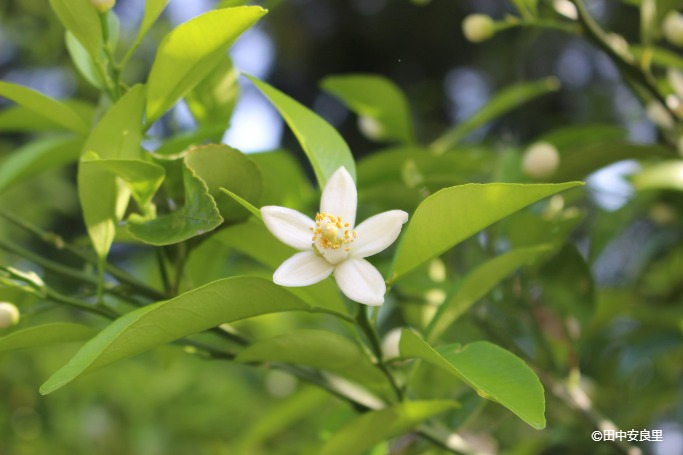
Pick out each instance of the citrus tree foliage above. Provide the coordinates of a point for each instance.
(483, 313)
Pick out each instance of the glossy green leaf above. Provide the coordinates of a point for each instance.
(223, 301)
(504, 101)
(496, 374)
(36, 157)
(243, 202)
(373, 427)
(323, 145)
(478, 283)
(220, 166)
(317, 349)
(46, 335)
(189, 53)
(44, 106)
(450, 216)
(82, 19)
(377, 98)
(213, 99)
(104, 198)
(667, 175)
(22, 119)
(198, 216)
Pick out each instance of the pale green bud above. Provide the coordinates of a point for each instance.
(540, 160)
(103, 5)
(478, 27)
(9, 315)
(673, 28)
(659, 115)
(370, 128)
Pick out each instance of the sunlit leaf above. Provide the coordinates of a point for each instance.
(450, 216)
(82, 19)
(44, 106)
(504, 101)
(493, 372)
(374, 427)
(478, 283)
(153, 9)
(317, 349)
(325, 148)
(103, 198)
(222, 301)
(189, 53)
(378, 98)
(36, 157)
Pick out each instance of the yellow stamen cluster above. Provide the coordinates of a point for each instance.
(332, 232)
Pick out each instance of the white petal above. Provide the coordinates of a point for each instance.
(378, 232)
(302, 269)
(339, 196)
(360, 281)
(289, 226)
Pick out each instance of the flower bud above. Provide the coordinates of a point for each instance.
(390, 343)
(540, 160)
(370, 128)
(659, 115)
(478, 28)
(9, 314)
(673, 28)
(103, 5)
(676, 80)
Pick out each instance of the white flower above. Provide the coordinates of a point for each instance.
(331, 243)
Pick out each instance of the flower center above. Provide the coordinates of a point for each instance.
(332, 233)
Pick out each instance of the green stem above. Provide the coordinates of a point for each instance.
(109, 53)
(58, 242)
(372, 336)
(595, 33)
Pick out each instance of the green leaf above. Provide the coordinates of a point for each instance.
(104, 198)
(45, 335)
(478, 283)
(284, 181)
(44, 106)
(245, 204)
(378, 98)
(82, 19)
(317, 349)
(36, 157)
(198, 216)
(83, 61)
(450, 216)
(142, 178)
(220, 166)
(153, 9)
(667, 175)
(374, 427)
(496, 374)
(189, 53)
(504, 101)
(213, 100)
(323, 145)
(223, 301)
